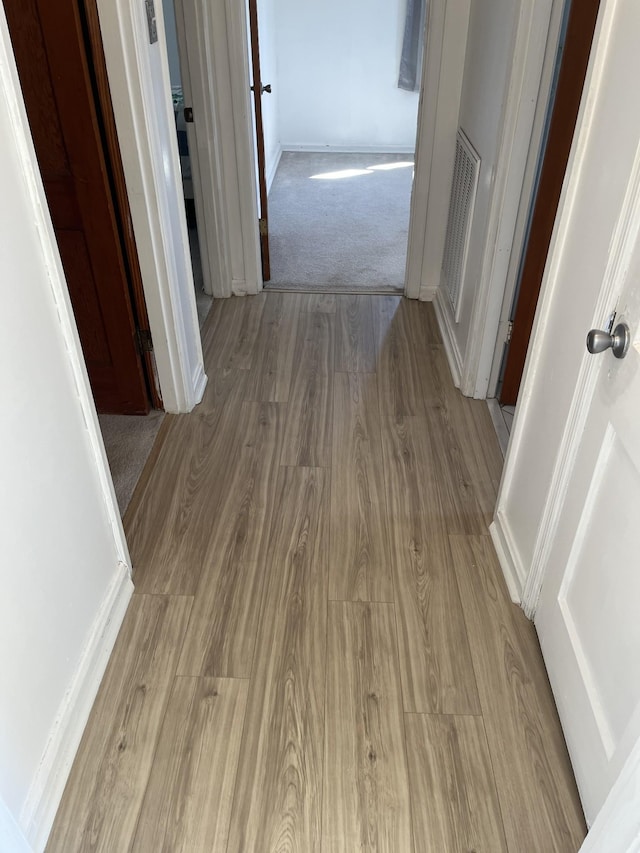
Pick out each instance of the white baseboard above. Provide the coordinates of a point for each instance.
(11, 837)
(428, 294)
(507, 557)
(199, 383)
(498, 424)
(273, 168)
(239, 287)
(350, 149)
(443, 316)
(45, 793)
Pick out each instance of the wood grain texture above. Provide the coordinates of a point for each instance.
(234, 514)
(230, 334)
(426, 323)
(325, 303)
(540, 806)
(398, 367)
(102, 799)
(469, 450)
(360, 556)
(435, 663)
(169, 534)
(278, 800)
(457, 487)
(366, 787)
(271, 378)
(454, 801)
(221, 634)
(187, 806)
(355, 346)
(307, 440)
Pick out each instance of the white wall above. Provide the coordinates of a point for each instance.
(486, 79)
(62, 543)
(337, 75)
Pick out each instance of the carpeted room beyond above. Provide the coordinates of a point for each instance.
(340, 222)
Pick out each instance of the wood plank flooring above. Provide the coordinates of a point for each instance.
(321, 654)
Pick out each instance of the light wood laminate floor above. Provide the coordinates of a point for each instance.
(321, 654)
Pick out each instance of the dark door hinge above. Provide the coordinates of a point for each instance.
(144, 342)
(188, 115)
(262, 225)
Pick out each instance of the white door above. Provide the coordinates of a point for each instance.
(588, 616)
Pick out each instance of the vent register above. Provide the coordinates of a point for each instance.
(463, 195)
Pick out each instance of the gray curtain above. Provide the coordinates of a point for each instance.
(412, 46)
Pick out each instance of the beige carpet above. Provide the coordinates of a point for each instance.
(128, 441)
(340, 222)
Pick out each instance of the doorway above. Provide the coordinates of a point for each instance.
(336, 94)
(63, 76)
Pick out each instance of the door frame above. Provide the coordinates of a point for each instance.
(141, 92)
(527, 88)
(217, 54)
(529, 187)
(525, 579)
(447, 24)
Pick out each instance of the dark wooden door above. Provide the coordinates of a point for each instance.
(579, 36)
(258, 91)
(51, 46)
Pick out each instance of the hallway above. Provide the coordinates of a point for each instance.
(321, 653)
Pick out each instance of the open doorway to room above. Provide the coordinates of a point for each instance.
(336, 91)
(62, 72)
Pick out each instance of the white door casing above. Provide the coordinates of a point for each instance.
(447, 22)
(140, 89)
(215, 35)
(587, 612)
(204, 148)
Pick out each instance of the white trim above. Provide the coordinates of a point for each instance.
(616, 829)
(273, 168)
(499, 424)
(45, 792)
(505, 546)
(204, 144)
(199, 383)
(140, 88)
(11, 838)
(244, 146)
(546, 306)
(444, 317)
(528, 188)
(516, 131)
(446, 41)
(350, 149)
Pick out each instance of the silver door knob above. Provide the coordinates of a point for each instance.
(599, 341)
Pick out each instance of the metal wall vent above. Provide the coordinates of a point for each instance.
(463, 197)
